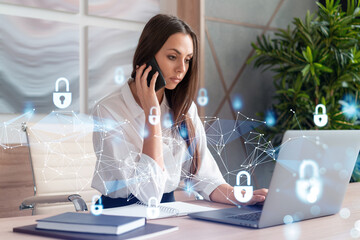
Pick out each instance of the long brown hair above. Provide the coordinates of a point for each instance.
(155, 33)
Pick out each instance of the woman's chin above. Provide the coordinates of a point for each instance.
(170, 86)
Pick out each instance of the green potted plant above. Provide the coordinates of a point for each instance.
(315, 61)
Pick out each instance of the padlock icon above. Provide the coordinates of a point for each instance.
(202, 98)
(320, 120)
(153, 209)
(96, 209)
(62, 99)
(119, 77)
(243, 193)
(309, 189)
(154, 118)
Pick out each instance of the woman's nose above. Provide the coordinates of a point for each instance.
(181, 67)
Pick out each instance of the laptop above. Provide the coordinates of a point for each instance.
(311, 174)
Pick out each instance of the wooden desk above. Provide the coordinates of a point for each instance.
(331, 227)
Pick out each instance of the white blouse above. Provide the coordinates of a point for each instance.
(122, 168)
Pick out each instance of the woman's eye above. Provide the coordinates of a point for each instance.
(171, 57)
(187, 60)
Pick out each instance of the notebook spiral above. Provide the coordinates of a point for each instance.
(168, 210)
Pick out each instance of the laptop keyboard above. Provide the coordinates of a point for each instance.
(250, 216)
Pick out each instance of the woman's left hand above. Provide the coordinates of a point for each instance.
(225, 194)
(258, 197)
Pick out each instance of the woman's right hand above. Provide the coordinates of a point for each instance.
(147, 95)
(152, 145)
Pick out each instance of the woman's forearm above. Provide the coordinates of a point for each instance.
(152, 145)
(223, 194)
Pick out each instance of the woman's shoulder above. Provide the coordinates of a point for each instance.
(116, 96)
(113, 100)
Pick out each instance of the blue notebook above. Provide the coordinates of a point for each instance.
(88, 223)
(149, 230)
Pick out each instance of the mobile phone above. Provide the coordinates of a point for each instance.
(160, 81)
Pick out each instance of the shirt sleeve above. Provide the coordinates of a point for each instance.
(209, 177)
(121, 167)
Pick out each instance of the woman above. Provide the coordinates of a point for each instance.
(138, 159)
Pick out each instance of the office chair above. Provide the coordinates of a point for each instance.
(63, 162)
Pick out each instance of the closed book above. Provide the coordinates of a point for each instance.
(88, 223)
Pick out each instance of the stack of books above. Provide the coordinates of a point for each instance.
(87, 226)
(127, 222)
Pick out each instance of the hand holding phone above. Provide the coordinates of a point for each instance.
(160, 81)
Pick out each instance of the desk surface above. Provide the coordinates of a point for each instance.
(330, 227)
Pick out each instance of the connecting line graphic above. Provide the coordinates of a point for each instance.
(61, 145)
(221, 133)
(297, 121)
(310, 138)
(121, 167)
(131, 164)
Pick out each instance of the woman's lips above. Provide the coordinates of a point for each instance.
(175, 80)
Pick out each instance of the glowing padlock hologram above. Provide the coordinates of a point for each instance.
(320, 120)
(96, 209)
(309, 190)
(243, 193)
(62, 99)
(202, 98)
(119, 76)
(154, 117)
(153, 209)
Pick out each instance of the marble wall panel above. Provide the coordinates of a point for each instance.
(133, 10)
(110, 60)
(63, 5)
(33, 55)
